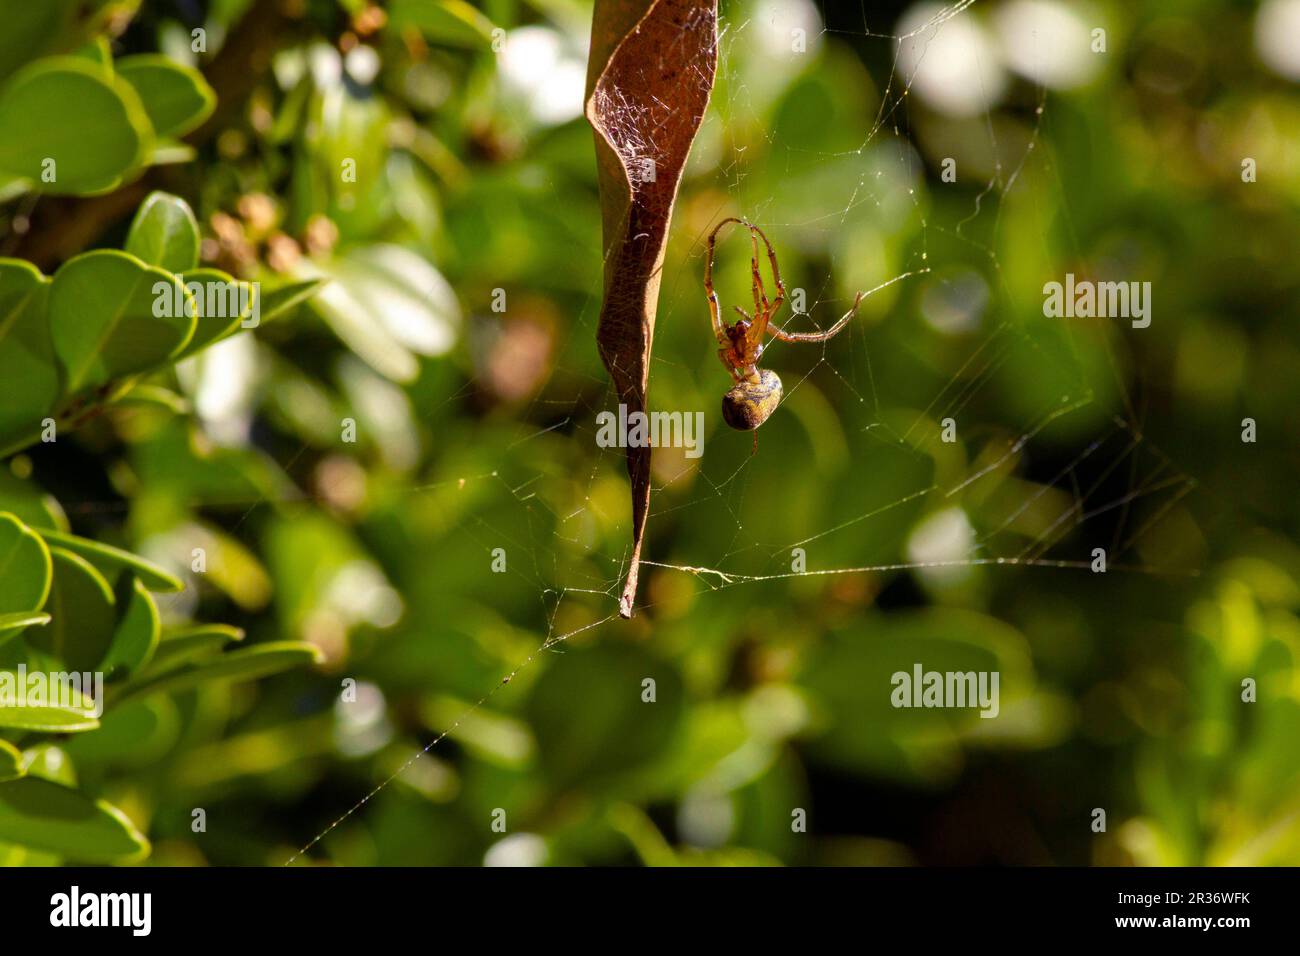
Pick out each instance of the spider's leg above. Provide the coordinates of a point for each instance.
(769, 308)
(776, 272)
(817, 336)
(715, 311)
(760, 294)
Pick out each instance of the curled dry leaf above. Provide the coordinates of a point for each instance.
(649, 78)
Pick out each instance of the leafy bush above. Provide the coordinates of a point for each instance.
(98, 334)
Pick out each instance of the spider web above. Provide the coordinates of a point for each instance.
(1032, 483)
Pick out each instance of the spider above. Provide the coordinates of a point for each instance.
(757, 392)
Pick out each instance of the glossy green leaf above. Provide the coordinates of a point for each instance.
(99, 52)
(28, 30)
(202, 642)
(33, 30)
(222, 303)
(154, 396)
(137, 633)
(11, 761)
(131, 735)
(165, 233)
(70, 128)
(47, 718)
(83, 612)
(50, 761)
(286, 297)
(262, 307)
(176, 97)
(247, 664)
(111, 315)
(27, 367)
(25, 572)
(168, 152)
(23, 619)
(112, 560)
(451, 22)
(42, 815)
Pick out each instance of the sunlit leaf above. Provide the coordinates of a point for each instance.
(42, 815)
(164, 233)
(25, 573)
(83, 613)
(11, 761)
(111, 315)
(111, 560)
(137, 632)
(176, 97)
(242, 665)
(27, 367)
(70, 127)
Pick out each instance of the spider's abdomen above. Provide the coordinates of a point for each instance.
(748, 404)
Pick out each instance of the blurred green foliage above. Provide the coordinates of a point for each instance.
(350, 469)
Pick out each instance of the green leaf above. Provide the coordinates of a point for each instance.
(23, 619)
(112, 560)
(452, 22)
(137, 633)
(11, 761)
(222, 303)
(261, 308)
(50, 762)
(28, 29)
(52, 26)
(71, 128)
(201, 642)
(165, 233)
(168, 152)
(176, 97)
(154, 396)
(42, 815)
(111, 315)
(25, 572)
(247, 664)
(287, 297)
(46, 718)
(99, 52)
(38, 701)
(83, 611)
(27, 367)
(132, 736)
